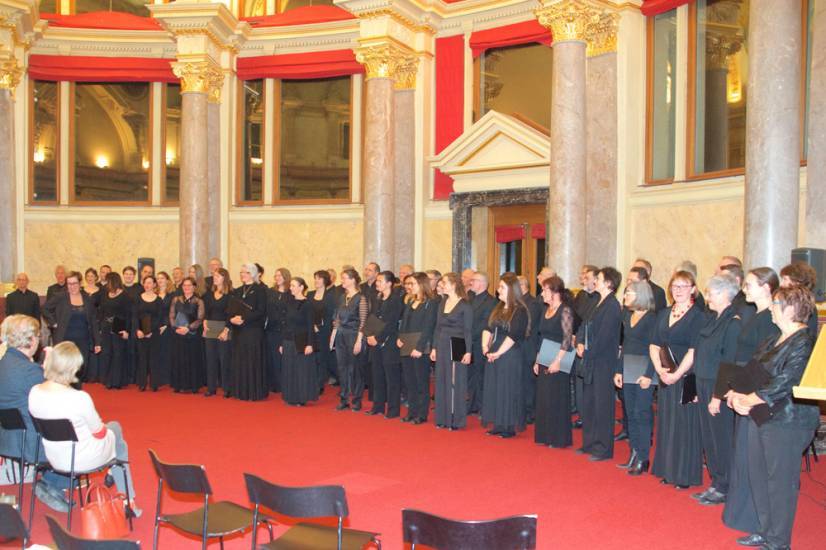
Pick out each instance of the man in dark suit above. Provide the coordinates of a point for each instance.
(213, 265)
(482, 305)
(369, 291)
(60, 284)
(467, 282)
(585, 302)
(660, 301)
(22, 300)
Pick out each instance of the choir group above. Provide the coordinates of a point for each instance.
(719, 365)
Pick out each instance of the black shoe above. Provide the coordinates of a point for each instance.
(622, 436)
(143, 388)
(577, 425)
(371, 412)
(342, 406)
(391, 416)
(703, 494)
(507, 435)
(441, 426)
(596, 458)
(418, 421)
(713, 498)
(493, 432)
(664, 481)
(227, 395)
(356, 407)
(581, 451)
(209, 394)
(407, 419)
(680, 487)
(639, 468)
(176, 390)
(632, 459)
(751, 540)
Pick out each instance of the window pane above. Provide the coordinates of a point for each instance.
(286, 5)
(48, 6)
(45, 139)
(315, 139)
(111, 127)
(517, 81)
(663, 114)
(253, 153)
(135, 7)
(172, 151)
(720, 85)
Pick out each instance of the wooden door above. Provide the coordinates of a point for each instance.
(516, 241)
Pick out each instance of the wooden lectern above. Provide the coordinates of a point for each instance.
(813, 383)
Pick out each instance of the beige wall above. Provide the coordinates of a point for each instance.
(438, 242)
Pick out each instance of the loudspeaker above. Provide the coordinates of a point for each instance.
(816, 258)
(145, 261)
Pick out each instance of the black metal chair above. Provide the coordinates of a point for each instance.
(307, 502)
(447, 534)
(12, 420)
(218, 519)
(62, 430)
(12, 526)
(66, 541)
(810, 450)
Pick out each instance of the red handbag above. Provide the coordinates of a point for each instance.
(103, 515)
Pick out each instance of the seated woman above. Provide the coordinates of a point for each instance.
(98, 443)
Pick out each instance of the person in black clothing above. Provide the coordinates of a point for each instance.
(213, 265)
(133, 290)
(299, 376)
(162, 369)
(482, 306)
(186, 317)
(585, 302)
(743, 307)
(419, 317)
(22, 300)
(385, 360)
(780, 426)
(530, 346)
(248, 362)
(116, 316)
(103, 272)
(130, 286)
(599, 350)
(660, 301)
(277, 298)
(93, 291)
(368, 290)
(217, 349)
(148, 314)
(60, 284)
(323, 303)
(347, 340)
(803, 275)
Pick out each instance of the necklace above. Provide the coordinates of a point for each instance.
(678, 311)
(245, 289)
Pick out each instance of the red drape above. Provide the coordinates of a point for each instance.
(655, 7)
(538, 231)
(111, 20)
(450, 60)
(304, 15)
(509, 35)
(100, 69)
(509, 233)
(299, 66)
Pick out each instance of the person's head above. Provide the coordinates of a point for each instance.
(798, 274)
(452, 285)
(281, 278)
(196, 271)
(21, 281)
(735, 271)
(729, 260)
(60, 274)
(553, 290)
(792, 306)
(404, 271)
(150, 283)
(682, 287)
(608, 281)
(177, 276)
(434, 276)
(249, 273)
(332, 273)
(129, 274)
(509, 290)
(321, 279)
(371, 271)
(638, 296)
(146, 271)
(104, 271)
(588, 277)
(385, 281)
(221, 280)
(114, 282)
(524, 285)
(350, 279)
(298, 286)
(722, 289)
(417, 285)
(645, 264)
(164, 281)
(90, 276)
(760, 284)
(188, 286)
(689, 266)
(480, 283)
(467, 278)
(73, 279)
(62, 363)
(345, 267)
(260, 269)
(22, 333)
(214, 264)
(637, 274)
(544, 273)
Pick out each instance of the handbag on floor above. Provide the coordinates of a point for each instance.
(103, 515)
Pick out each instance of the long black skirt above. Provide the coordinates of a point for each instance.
(553, 410)
(162, 369)
(188, 369)
(739, 512)
(679, 453)
(503, 404)
(248, 364)
(299, 375)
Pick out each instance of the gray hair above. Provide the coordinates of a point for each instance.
(252, 269)
(18, 330)
(724, 283)
(687, 265)
(644, 296)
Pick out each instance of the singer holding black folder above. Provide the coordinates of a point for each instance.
(186, 316)
(299, 376)
(115, 314)
(452, 352)
(147, 314)
(216, 333)
(678, 458)
(247, 311)
(415, 339)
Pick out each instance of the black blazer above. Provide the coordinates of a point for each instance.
(482, 306)
(25, 303)
(58, 311)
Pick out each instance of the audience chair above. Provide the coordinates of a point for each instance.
(515, 532)
(307, 502)
(66, 541)
(12, 526)
(218, 519)
(62, 429)
(810, 450)
(12, 420)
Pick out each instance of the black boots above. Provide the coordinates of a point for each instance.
(631, 460)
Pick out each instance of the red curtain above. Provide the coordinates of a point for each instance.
(538, 231)
(304, 15)
(509, 233)
(111, 20)
(509, 35)
(298, 66)
(100, 69)
(651, 8)
(450, 92)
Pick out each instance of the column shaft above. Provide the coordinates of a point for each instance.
(214, 178)
(194, 194)
(404, 174)
(8, 191)
(816, 159)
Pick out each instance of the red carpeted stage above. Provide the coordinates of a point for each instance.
(386, 465)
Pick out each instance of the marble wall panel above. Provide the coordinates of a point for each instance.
(437, 244)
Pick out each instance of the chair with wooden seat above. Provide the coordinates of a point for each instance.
(307, 502)
(511, 533)
(218, 519)
(11, 420)
(66, 541)
(12, 526)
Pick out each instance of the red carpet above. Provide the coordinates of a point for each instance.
(386, 465)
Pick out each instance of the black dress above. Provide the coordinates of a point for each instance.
(217, 351)
(503, 405)
(451, 376)
(299, 377)
(678, 457)
(188, 370)
(147, 314)
(553, 390)
(91, 366)
(349, 319)
(248, 345)
(274, 327)
(113, 355)
(162, 371)
(323, 311)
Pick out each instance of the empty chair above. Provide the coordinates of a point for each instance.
(12, 420)
(511, 533)
(307, 502)
(218, 519)
(66, 541)
(12, 526)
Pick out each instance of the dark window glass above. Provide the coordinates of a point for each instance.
(252, 161)
(45, 140)
(172, 151)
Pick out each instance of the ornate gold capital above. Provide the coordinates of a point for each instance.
(569, 20)
(406, 74)
(199, 77)
(10, 74)
(602, 34)
(384, 60)
(719, 46)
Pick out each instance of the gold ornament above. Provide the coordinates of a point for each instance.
(384, 60)
(199, 76)
(10, 75)
(569, 20)
(406, 74)
(602, 34)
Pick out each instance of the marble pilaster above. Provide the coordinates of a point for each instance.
(816, 158)
(214, 177)
(404, 174)
(8, 202)
(772, 134)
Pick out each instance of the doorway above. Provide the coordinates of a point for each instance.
(516, 241)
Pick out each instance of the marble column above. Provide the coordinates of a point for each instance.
(772, 134)
(816, 158)
(404, 153)
(214, 175)
(8, 191)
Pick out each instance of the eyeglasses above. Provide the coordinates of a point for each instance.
(680, 287)
(776, 302)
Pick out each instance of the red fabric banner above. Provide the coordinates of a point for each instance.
(651, 8)
(450, 94)
(509, 233)
(304, 15)
(112, 20)
(509, 35)
(299, 66)
(57, 68)
(538, 231)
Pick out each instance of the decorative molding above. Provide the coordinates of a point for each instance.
(199, 77)
(603, 34)
(384, 59)
(406, 74)
(569, 20)
(10, 74)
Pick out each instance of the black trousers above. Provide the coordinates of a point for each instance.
(218, 359)
(717, 436)
(775, 453)
(597, 413)
(417, 378)
(386, 382)
(349, 373)
(147, 356)
(640, 417)
(476, 380)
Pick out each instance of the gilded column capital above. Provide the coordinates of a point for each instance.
(10, 74)
(199, 77)
(384, 60)
(719, 46)
(406, 74)
(569, 20)
(602, 34)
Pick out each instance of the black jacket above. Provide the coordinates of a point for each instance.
(58, 312)
(482, 306)
(717, 343)
(24, 303)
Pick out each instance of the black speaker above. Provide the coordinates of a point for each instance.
(145, 261)
(815, 257)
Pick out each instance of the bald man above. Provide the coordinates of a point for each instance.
(22, 300)
(60, 284)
